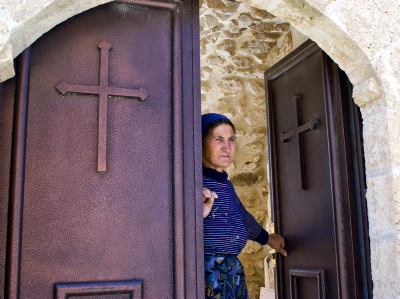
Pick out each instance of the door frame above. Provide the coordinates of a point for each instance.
(186, 109)
(347, 169)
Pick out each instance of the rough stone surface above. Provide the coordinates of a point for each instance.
(245, 179)
(237, 73)
(254, 287)
(251, 248)
(250, 198)
(249, 266)
(261, 216)
(257, 146)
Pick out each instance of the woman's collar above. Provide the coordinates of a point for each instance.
(213, 174)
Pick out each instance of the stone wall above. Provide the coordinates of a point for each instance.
(238, 44)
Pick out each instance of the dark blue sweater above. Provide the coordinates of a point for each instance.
(228, 226)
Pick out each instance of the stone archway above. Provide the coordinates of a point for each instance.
(20, 29)
(332, 39)
(21, 25)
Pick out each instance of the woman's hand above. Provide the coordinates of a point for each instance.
(277, 242)
(208, 201)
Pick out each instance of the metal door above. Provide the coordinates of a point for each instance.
(102, 196)
(317, 178)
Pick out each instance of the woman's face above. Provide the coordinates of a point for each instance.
(219, 147)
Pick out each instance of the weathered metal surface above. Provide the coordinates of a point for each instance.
(120, 289)
(319, 223)
(17, 177)
(140, 219)
(317, 280)
(296, 133)
(104, 91)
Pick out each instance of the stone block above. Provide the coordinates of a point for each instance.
(374, 21)
(6, 63)
(222, 16)
(225, 100)
(250, 198)
(231, 35)
(213, 61)
(245, 20)
(246, 179)
(255, 117)
(259, 100)
(388, 68)
(226, 49)
(381, 205)
(208, 21)
(250, 166)
(228, 111)
(259, 263)
(250, 159)
(205, 89)
(234, 26)
(256, 47)
(223, 6)
(267, 36)
(376, 142)
(231, 87)
(205, 73)
(212, 36)
(394, 136)
(385, 258)
(263, 27)
(242, 62)
(283, 26)
(256, 88)
(259, 13)
(366, 91)
(256, 133)
(261, 216)
(252, 248)
(248, 265)
(257, 146)
(254, 286)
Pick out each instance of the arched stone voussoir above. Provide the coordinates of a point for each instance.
(22, 28)
(332, 39)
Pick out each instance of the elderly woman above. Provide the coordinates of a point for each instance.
(227, 224)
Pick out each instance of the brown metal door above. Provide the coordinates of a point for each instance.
(102, 197)
(316, 179)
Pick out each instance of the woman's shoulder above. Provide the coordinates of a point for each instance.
(215, 175)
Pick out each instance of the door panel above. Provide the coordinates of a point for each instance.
(313, 177)
(110, 225)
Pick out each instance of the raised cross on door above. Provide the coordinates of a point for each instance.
(296, 134)
(104, 91)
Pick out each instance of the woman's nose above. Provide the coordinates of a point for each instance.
(226, 146)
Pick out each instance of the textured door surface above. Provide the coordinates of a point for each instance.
(313, 187)
(99, 205)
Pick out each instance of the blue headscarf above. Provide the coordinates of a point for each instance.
(208, 118)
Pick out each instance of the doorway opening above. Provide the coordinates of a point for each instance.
(238, 44)
(232, 72)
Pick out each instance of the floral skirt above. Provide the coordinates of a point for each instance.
(225, 277)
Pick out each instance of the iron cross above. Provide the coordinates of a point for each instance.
(296, 134)
(104, 91)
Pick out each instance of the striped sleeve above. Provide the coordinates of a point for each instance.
(255, 231)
